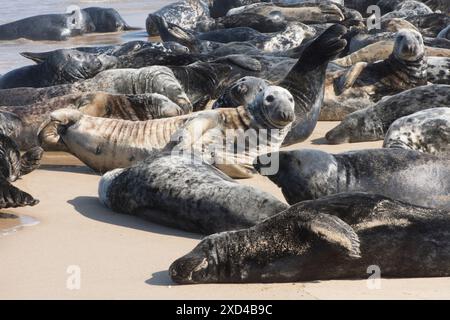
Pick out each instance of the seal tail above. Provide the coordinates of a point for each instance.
(31, 160)
(12, 197)
(171, 32)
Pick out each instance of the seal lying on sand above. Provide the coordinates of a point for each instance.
(65, 66)
(229, 138)
(23, 122)
(426, 131)
(337, 237)
(306, 81)
(62, 26)
(185, 193)
(311, 174)
(372, 123)
(12, 166)
(364, 84)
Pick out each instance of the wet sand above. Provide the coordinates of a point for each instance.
(124, 257)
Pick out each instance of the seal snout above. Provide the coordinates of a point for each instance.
(188, 269)
(409, 45)
(278, 104)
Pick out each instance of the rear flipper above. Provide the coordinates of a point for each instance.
(31, 160)
(11, 197)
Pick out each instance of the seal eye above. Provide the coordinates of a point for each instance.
(270, 98)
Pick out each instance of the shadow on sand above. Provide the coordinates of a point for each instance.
(91, 208)
(320, 141)
(160, 278)
(68, 168)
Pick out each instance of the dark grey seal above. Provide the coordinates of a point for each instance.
(372, 123)
(185, 193)
(337, 237)
(64, 66)
(12, 166)
(62, 26)
(407, 175)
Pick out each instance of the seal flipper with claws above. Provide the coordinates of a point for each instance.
(306, 80)
(12, 165)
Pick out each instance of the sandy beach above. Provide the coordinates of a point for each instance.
(125, 257)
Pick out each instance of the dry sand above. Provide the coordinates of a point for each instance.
(124, 257)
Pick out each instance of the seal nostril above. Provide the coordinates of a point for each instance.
(270, 98)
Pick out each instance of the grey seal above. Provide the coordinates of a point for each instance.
(364, 84)
(12, 166)
(187, 194)
(305, 81)
(62, 26)
(206, 42)
(406, 175)
(426, 131)
(372, 123)
(64, 66)
(23, 122)
(337, 237)
(228, 138)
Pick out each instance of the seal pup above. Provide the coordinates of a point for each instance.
(372, 123)
(426, 131)
(364, 84)
(12, 166)
(407, 175)
(65, 66)
(185, 193)
(228, 138)
(337, 237)
(23, 122)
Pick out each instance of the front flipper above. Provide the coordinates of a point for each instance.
(332, 230)
(190, 135)
(12, 197)
(31, 160)
(242, 61)
(346, 80)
